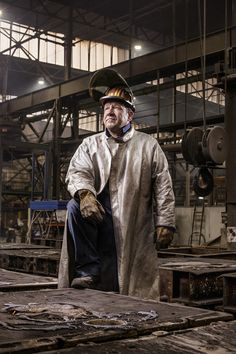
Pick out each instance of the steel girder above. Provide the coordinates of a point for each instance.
(136, 71)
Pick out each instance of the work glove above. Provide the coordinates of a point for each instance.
(90, 208)
(164, 237)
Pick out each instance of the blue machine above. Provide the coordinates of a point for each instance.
(43, 222)
(48, 204)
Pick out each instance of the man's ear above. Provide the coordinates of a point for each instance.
(130, 115)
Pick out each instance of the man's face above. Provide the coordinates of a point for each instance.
(116, 115)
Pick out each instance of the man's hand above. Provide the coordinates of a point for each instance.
(164, 237)
(90, 207)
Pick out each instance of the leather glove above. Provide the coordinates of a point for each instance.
(164, 237)
(90, 207)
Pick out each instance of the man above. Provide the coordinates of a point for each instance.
(122, 197)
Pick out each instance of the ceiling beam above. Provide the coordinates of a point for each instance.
(136, 71)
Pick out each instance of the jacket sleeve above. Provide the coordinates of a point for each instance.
(80, 174)
(163, 195)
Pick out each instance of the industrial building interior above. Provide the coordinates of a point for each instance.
(179, 58)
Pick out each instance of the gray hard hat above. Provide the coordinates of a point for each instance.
(108, 85)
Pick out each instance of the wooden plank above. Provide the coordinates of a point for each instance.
(29, 319)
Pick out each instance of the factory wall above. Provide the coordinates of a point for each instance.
(212, 224)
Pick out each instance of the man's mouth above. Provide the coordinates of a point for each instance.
(113, 118)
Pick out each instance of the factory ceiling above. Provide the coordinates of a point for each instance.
(156, 25)
(115, 22)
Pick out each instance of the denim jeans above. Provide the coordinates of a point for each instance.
(94, 244)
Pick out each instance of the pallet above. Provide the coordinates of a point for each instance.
(33, 322)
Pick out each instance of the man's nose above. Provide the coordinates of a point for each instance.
(111, 109)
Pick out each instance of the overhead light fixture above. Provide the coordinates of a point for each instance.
(137, 47)
(41, 81)
(0, 12)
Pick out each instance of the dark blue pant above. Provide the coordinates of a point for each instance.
(94, 245)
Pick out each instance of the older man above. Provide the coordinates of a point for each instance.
(122, 203)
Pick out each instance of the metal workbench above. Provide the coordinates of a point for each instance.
(35, 260)
(17, 246)
(194, 281)
(44, 225)
(33, 321)
(15, 281)
(229, 292)
(215, 338)
(197, 252)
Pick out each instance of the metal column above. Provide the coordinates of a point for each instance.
(68, 45)
(1, 164)
(230, 125)
(229, 82)
(56, 150)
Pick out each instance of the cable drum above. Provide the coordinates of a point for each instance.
(184, 147)
(214, 145)
(192, 146)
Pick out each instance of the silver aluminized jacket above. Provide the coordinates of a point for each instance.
(141, 198)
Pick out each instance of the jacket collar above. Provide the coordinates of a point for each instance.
(127, 133)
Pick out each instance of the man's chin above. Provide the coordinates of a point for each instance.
(111, 126)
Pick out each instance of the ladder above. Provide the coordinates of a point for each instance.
(197, 237)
